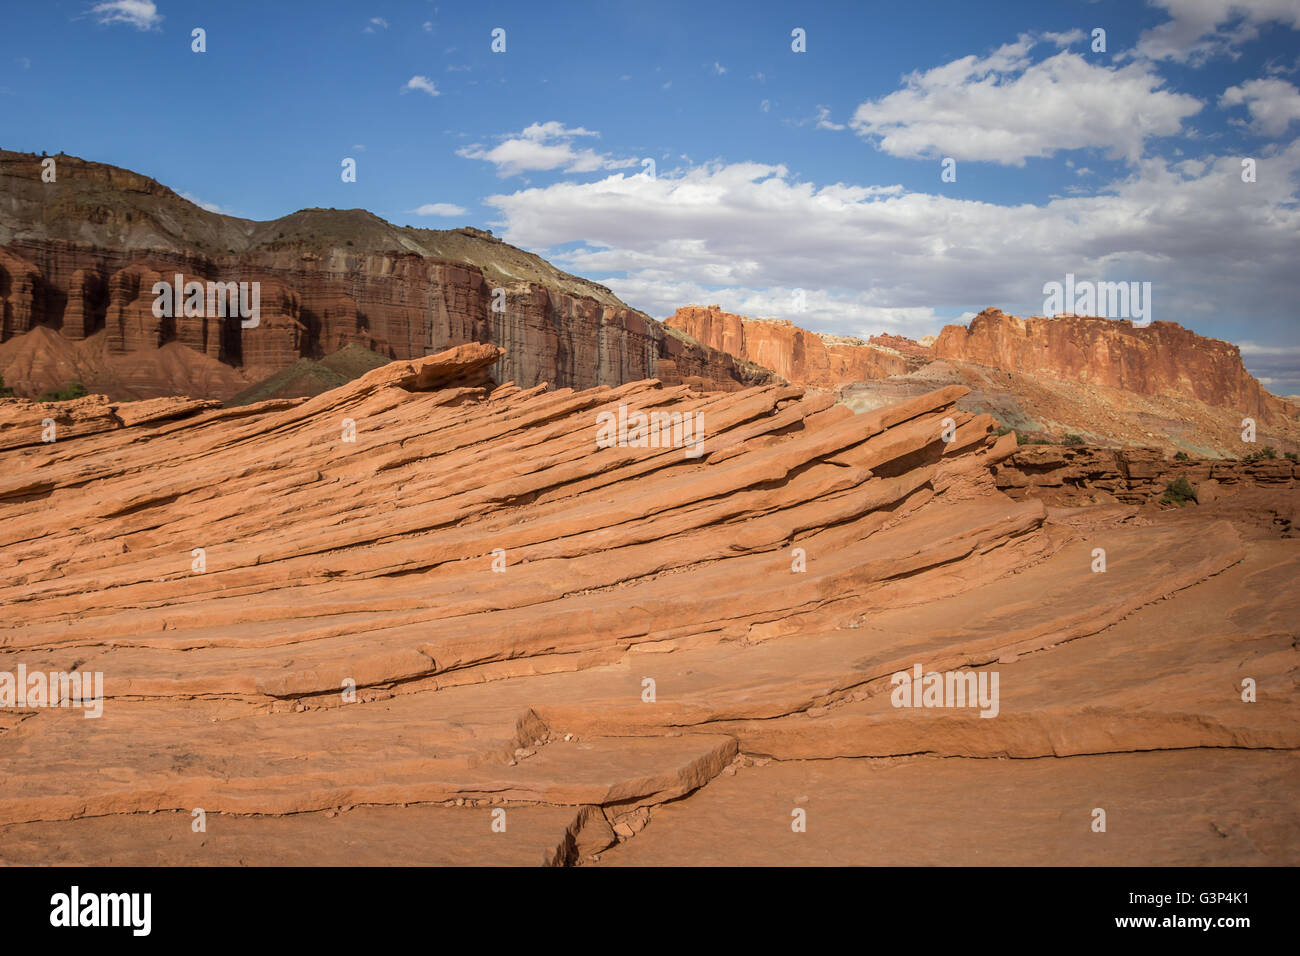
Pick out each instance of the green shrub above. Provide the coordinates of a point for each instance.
(1072, 439)
(5, 392)
(1179, 492)
(1268, 451)
(66, 394)
(1181, 456)
(1292, 455)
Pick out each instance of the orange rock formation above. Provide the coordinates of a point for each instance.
(1161, 359)
(422, 595)
(797, 355)
(79, 257)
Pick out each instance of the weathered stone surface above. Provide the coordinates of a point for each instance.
(429, 587)
(24, 423)
(1170, 808)
(431, 835)
(1082, 475)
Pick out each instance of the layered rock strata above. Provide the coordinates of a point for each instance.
(1160, 359)
(1133, 475)
(423, 589)
(797, 355)
(79, 256)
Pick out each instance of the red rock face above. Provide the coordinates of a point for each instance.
(87, 298)
(399, 304)
(1077, 476)
(19, 294)
(1160, 359)
(796, 354)
(498, 585)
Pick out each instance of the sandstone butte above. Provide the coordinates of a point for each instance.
(564, 653)
(797, 355)
(1160, 359)
(1108, 381)
(79, 258)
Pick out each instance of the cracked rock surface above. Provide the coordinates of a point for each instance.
(361, 650)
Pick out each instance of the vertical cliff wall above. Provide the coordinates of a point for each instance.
(80, 256)
(1160, 359)
(797, 355)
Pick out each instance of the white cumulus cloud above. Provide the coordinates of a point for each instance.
(1273, 104)
(438, 209)
(141, 14)
(1199, 29)
(880, 257)
(421, 83)
(544, 147)
(209, 206)
(1006, 108)
(824, 119)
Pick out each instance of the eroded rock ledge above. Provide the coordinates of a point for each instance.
(528, 618)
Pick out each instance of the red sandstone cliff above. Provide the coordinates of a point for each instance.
(1161, 359)
(80, 256)
(1160, 386)
(799, 356)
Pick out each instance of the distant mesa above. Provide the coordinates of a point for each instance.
(79, 257)
(1105, 380)
(1160, 359)
(797, 355)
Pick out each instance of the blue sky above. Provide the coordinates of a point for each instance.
(775, 171)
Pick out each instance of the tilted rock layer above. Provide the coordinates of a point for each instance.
(422, 588)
